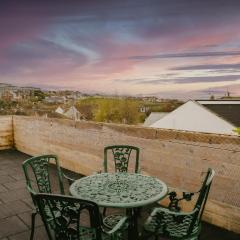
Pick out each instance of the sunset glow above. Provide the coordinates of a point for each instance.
(150, 47)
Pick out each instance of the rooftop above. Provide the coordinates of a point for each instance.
(154, 117)
(16, 204)
(227, 109)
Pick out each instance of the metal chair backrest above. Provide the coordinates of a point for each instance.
(63, 217)
(40, 167)
(203, 195)
(121, 157)
(202, 198)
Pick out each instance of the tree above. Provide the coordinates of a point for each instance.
(38, 95)
(237, 130)
(129, 112)
(212, 97)
(86, 110)
(112, 110)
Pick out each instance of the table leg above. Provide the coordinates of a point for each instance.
(133, 224)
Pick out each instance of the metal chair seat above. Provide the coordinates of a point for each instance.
(85, 233)
(172, 223)
(111, 220)
(177, 225)
(68, 218)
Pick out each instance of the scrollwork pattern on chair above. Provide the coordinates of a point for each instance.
(69, 218)
(63, 219)
(171, 225)
(121, 158)
(40, 168)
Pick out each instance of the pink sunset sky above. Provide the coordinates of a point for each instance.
(178, 48)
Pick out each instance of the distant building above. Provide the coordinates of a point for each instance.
(55, 99)
(210, 116)
(75, 96)
(149, 99)
(143, 109)
(73, 113)
(227, 109)
(14, 93)
(60, 110)
(154, 117)
(7, 95)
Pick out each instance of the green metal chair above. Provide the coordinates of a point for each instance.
(40, 180)
(69, 218)
(172, 223)
(121, 157)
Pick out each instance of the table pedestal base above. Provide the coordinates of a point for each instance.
(132, 213)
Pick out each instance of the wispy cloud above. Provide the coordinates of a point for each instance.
(225, 78)
(208, 67)
(180, 80)
(187, 55)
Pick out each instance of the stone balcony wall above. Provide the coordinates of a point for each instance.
(178, 158)
(6, 132)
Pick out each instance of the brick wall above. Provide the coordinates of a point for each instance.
(6, 132)
(176, 157)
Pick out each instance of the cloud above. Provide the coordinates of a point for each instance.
(232, 88)
(225, 78)
(130, 80)
(180, 80)
(87, 43)
(208, 67)
(206, 93)
(187, 55)
(40, 58)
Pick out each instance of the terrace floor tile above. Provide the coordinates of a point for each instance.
(15, 184)
(26, 218)
(39, 234)
(13, 195)
(13, 208)
(2, 188)
(10, 226)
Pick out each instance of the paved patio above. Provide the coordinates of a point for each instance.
(16, 204)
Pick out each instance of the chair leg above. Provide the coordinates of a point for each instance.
(33, 225)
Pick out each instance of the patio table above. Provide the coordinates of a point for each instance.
(121, 190)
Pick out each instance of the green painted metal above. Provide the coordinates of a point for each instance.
(172, 223)
(40, 167)
(111, 220)
(119, 190)
(41, 182)
(121, 156)
(62, 217)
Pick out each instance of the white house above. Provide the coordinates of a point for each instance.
(59, 110)
(154, 117)
(73, 113)
(220, 117)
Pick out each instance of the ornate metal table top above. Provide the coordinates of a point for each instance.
(122, 190)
